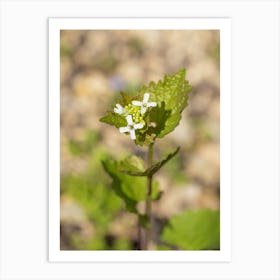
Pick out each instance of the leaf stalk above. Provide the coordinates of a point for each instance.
(148, 210)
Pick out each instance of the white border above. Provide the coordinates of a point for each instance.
(55, 255)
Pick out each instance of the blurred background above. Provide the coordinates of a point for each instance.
(95, 67)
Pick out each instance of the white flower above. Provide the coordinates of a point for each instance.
(144, 104)
(131, 127)
(119, 109)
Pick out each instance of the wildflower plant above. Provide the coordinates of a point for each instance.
(152, 113)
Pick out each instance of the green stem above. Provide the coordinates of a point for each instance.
(148, 211)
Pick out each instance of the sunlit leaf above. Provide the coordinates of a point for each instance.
(152, 169)
(114, 119)
(171, 96)
(133, 164)
(172, 92)
(130, 189)
(194, 230)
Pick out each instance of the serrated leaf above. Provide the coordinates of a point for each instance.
(114, 119)
(173, 93)
(130, 189)
(171, 96)
(152, 169)
(194, 230)
(156, 121)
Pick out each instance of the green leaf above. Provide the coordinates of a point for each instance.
(171, 95)
(194, 230)
(152, 169)
(130, 189)
(114, 119)
(133, 164)
(156, 120)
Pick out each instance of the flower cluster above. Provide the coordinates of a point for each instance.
(134, 114)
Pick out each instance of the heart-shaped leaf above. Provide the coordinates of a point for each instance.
(152, 169)
(130, 189)
(194, 230)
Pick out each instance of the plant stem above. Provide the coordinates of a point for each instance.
(148, 230)
(139, 233)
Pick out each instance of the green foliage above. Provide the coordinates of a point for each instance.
(194, 230)
(173, 93)
(121, 244)
(171, 97)
(152, 169)
(191, 230)
(130, 189)
(95, 243)
(163, 248)
(114, 119)
(100, 242)
(132, 163)
(98, 201)
(156, 122)
(100, 204)
(91, 190)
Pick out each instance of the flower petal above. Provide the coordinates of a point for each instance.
(119, 109)
(146, 97)
(137, 103)
(138, 126)
(143, 110)
(151, 104)
(123, 129)
(129, 120)
(132, 134)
